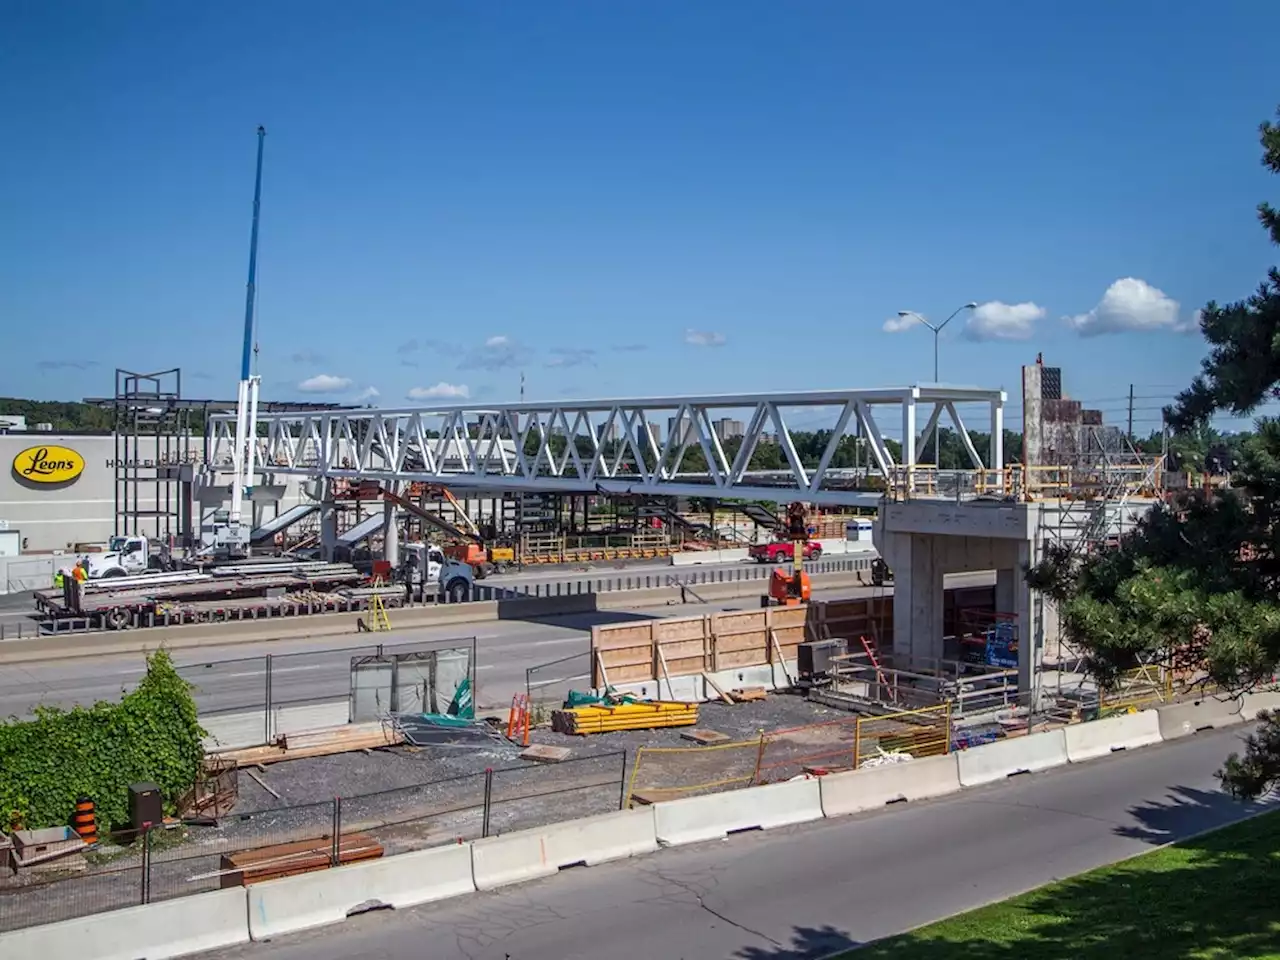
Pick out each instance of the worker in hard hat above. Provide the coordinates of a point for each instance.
(59, 578)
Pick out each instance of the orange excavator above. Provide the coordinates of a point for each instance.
(792, 589)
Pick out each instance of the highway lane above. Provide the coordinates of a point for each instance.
(847, 881)
(18, 610)
(505, 649)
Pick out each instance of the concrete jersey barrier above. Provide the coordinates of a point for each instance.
(156, 931)
(1184, 719)
(1086, 741)
(1003, 758)
(309, 900)
(712, 817)
(530, 854)
(871, 788)
(1251, 703)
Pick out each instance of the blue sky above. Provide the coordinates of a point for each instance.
(625, 198)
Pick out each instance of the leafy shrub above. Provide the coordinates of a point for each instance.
(151, 735)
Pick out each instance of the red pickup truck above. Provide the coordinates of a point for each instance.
(782, 551)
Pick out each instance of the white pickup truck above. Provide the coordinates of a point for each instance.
(426, 567)
(124, 557)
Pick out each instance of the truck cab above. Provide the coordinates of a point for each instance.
(783, 551)
(124, 557)
(426, 568)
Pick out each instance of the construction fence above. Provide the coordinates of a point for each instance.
(207, 853)
(845, 743)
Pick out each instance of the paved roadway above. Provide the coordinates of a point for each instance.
(805, 891)
(505, 649)
(18, 610)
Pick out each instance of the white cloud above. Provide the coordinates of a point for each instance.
(497, 341)
(1131, 305)
(368, 393)
(900, 323)
(441, 391)
(1003, 321)
(704, 338)
(325, 383)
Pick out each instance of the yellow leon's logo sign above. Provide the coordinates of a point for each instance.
(48, 464)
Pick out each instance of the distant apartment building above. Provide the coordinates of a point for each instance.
(727, 429)
(655, 434)
(680, 430)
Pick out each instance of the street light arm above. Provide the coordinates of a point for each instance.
(955, 313)
(923, 319)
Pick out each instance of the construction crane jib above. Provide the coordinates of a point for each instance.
(245, 451)
(614, 446)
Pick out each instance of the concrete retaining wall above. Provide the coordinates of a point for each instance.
(157, 931)
(715, 816)
(871, 789)
(1004, 758)
(1184, 719)
(314, 899)
(1087, 741)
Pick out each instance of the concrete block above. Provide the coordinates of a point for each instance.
(1100, 738)
(1003, 758)
(329, 896)
(1251, 703)
(233, 731)
(1184, 719)
(871, 788)
(695, 819)
(157, 931)
(530, 854)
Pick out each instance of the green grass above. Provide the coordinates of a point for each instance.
(1216, 897)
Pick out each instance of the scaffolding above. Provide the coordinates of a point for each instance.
(154, 456)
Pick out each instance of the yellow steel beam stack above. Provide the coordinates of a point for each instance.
(624, 716)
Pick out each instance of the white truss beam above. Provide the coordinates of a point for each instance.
(606, 445)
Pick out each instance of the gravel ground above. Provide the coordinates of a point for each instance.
(409, 798)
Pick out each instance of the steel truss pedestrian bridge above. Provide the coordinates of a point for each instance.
(604, 446)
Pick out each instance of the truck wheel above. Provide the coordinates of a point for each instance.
(114, 572)
(458, 591)
(116, 619)
(816, 554)
(481, 570)
(499, 568)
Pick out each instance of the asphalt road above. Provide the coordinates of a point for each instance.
(806, 891)
(19, 609)
(505, 649)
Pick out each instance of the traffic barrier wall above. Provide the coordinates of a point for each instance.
(110, 643)
(1251, 703)
(1184, 719)
(715, 816)
(156, 931)
(530, 854)
(1004, 758)
(1098, 738)
(309, 900)
(872, 787)
(691, 688)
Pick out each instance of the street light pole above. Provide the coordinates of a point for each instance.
(937, 329)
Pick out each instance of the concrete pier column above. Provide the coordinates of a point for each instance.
(390, 534)
(1007, 581)
(1030, 626)
(917, 596)
(328, 522)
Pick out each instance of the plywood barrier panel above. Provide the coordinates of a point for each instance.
(621, 635)
(679, 628)
(747, 621)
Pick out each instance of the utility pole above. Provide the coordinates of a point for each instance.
(1131, 413)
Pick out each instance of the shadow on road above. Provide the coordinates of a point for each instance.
(807, 943)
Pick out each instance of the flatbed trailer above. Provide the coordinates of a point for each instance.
(198, 596)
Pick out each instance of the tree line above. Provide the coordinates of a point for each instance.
(1196, 584)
